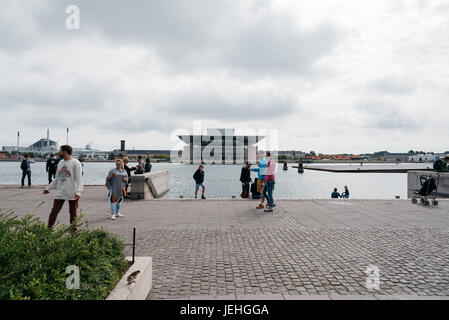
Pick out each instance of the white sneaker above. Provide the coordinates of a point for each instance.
(113, 217)
(119, 215)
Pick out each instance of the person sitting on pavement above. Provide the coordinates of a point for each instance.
(345, 194)
(335, 194)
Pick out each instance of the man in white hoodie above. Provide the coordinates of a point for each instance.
(68, 183)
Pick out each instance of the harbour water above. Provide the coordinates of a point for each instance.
(222, 181)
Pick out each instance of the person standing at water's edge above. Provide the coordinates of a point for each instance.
(198, 176)
(269, 183)
(245, 179)
(68, 183)
(26, 169)
(51, 167)
(116, 184)
(261, 177)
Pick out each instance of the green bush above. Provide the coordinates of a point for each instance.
(33, 260)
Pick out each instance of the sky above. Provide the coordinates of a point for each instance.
(352, 76)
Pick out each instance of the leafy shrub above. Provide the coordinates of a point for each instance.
(33, 260)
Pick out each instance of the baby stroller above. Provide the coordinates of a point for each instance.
(428, 190)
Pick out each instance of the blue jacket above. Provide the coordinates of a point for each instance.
(261, 170)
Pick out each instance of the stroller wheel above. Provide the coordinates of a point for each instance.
(427, 203)
(422, 201)
(414, 201)
(435, 202)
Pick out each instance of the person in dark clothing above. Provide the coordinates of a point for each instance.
(52, 165)
(128, 172)
(148, 165)
(254, 193)
(26, 169)
(345, 194)
(335, 194)
(245, 179)
(198, 176)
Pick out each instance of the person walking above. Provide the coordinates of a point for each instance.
(345, 194)
(51, 167)
(261, 177)
(335, 194)
(245, 179)
(148, 165)
(68, 183)
(269, 183)
(26, 169)
(198, 176)
(116, 184)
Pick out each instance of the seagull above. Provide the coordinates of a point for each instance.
(132, 277)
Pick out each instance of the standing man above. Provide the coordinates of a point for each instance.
(52, 165)
(269, 183)
(261, 176)
(26, 169)
(245, 179)
(198, 176)
(68, 183)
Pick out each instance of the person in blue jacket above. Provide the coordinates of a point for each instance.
(345, 194)
(261, 170)
(335, 194)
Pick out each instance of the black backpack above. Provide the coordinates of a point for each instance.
(24, 165)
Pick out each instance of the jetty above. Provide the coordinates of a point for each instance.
(371, 168)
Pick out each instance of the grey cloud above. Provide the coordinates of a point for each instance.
(192, 35)
(257, 106)
(394, 85)
(386, 116)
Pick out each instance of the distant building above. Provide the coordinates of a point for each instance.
(422, 158)
(220, 146)
(396, 157)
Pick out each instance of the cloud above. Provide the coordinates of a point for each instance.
(393, 84)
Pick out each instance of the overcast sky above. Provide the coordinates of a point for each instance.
(332, 76)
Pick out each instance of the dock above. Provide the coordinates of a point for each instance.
(305, 249)
(371, 168)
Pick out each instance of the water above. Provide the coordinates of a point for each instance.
(222, 181)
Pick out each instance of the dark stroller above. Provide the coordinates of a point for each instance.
(428, 190)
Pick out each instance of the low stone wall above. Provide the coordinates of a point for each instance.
(151, 185)
(414, 184)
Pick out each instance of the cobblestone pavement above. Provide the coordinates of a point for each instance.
(304, 248)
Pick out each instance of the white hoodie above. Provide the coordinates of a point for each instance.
(68, 180)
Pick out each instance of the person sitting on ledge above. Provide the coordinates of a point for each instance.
(335, 194)
(346, 193)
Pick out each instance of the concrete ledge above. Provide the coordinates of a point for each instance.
(140, 284)
(151, 185)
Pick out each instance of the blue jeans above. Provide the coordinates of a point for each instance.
(115, 207)
(268, 192)
(26, 173)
